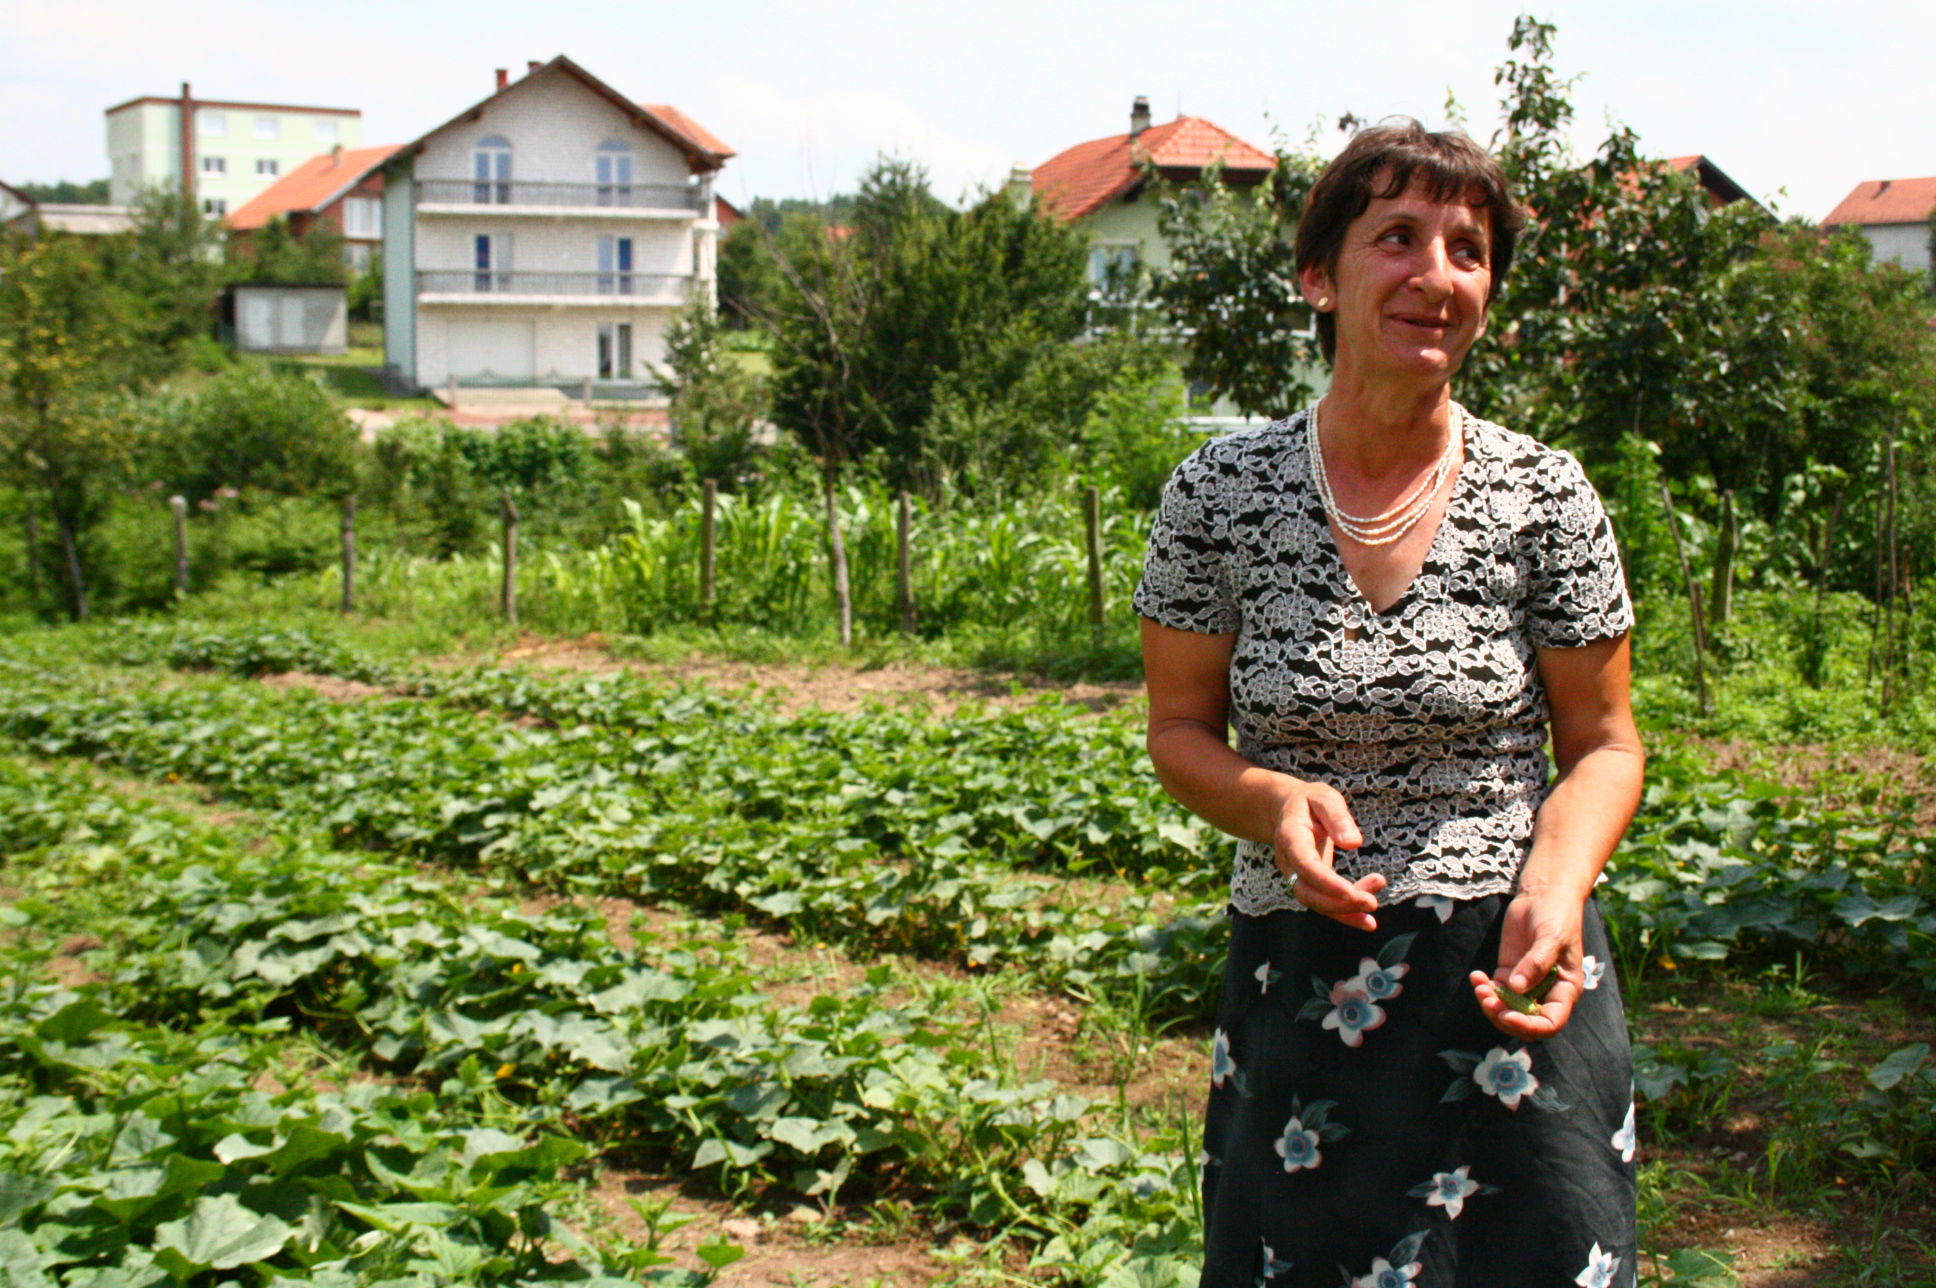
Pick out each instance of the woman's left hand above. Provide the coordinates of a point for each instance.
(1541, 931)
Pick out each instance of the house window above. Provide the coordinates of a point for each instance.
(217, 206)
(215, 165)
(614, 350)
(491, 255)
(267, 127)
(491, 168)
(1112, 264)
(614, 265)
(212, 125)
(325, 131)
(360, 216)
(268, 166)
(614, 173)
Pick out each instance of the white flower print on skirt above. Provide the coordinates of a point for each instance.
(1383, 1134)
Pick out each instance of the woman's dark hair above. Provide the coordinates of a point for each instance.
(1382, 162)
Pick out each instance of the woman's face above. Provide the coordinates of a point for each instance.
(1410, 287)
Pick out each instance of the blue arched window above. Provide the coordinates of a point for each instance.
(614, 173)
(491, 168)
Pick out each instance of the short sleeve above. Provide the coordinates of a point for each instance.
(1579, 591)
(1187, 583)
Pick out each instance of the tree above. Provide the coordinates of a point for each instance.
(168, 269)
(64, 342)
(715, 398)
(929, 326)
(63, 193)
(274, 253)
(1232, 286)
(366, 291)
(259, 431)
(1634, 303)
(750, 281)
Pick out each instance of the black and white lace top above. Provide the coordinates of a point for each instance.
(1429, 717)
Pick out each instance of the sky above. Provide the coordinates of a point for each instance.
(1798, 102)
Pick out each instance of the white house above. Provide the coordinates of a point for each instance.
(1894, 215)
(546, 236)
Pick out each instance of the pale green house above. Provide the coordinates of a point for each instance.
(222, 152)
(1100, 186)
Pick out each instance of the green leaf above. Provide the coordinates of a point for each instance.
(75, 1022)
(1394, 949)
(22, 1265)
(718, 1253)
(18, 1193)
(397, 1218)
(1898, 1065)
(220, 1234)
(1701, 1268)
(808, 1135)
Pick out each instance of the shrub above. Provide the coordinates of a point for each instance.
(262, 432)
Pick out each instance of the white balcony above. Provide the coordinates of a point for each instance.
(602, 290)
(519, 199)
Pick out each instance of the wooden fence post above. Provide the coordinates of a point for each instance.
(179, 505)
(1693, 596)
(904, 561)
(708, 519)
(349, 553)
(1727, 541)
(1092, 524)
(1891, 658)
(510, 595)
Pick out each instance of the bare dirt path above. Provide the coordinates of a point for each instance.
(831, 686)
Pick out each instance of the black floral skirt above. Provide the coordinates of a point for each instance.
(1369, 1126)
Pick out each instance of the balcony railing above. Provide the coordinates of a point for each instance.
(517, 192)
(477, 281)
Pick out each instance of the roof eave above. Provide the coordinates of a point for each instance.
(699, 159)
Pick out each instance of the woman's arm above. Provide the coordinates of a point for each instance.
(1599, 756)
(1189, 694)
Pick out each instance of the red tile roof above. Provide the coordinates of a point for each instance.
(310, 186)
(692, 129)
(704, 153)
(1711, 177)
(1886, 201)
(1084, 178)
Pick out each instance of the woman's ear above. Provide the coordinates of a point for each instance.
(1315, 283)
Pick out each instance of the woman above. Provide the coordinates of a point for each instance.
(1394, 603)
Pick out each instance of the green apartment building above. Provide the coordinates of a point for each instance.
(222, 152)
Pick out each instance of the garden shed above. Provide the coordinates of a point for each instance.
(271, 317)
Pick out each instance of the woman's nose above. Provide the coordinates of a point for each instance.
(1433, 272)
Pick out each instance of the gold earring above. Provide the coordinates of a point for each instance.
(1324, 301)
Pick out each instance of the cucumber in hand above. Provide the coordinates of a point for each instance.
(1527, 1003)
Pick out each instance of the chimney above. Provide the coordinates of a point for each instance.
(1020, 186)
(532, 65)
(1139, 119)
(503, 77)
(188, 146)
(336, 156)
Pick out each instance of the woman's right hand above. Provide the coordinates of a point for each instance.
(1312, 824)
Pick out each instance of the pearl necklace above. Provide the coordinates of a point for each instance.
(1403, 516)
